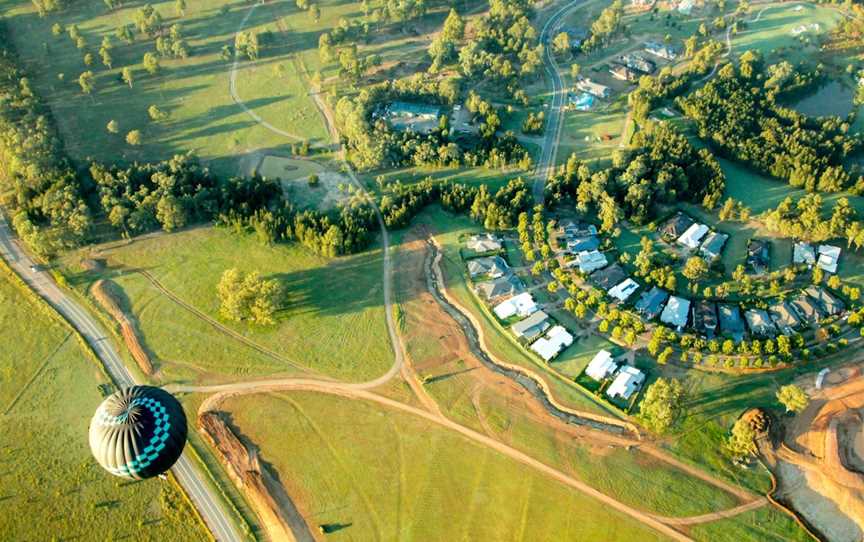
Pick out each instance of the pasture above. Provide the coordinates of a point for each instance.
(51, 487)
(380, 473)
(332, 322)
(194, 92)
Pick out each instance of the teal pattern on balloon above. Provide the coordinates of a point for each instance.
(138, 432)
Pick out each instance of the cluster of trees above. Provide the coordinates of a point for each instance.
(663, 168)
(444, 48)
(495, 211)
(661, 404)
(741, 118)
(534, 122)
(604, 27)
(372, 142)
(803, 219)
(39, 187)
(504, 47)
(248, 297)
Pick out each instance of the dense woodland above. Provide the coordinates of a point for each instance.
(737, 113)
(663, 168)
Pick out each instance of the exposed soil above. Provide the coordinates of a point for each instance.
(279, 516)
(820, 461)
(105, 293)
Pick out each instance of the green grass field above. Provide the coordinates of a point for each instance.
(50, 487)
(333, 322)
(388, 475)
(772, 35)
(195, 91)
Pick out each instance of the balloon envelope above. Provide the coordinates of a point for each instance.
(138, 432)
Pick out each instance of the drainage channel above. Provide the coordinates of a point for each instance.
(529, 383)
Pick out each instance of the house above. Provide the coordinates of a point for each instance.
(483, 242)
(491, 266)
(830, 304)
(419, 118)
(626, 382)
(705, 317)
(578, 229)
(601, 366)
(760, 323)
(829, 257)
(758, 255)
(713, 245)
(650, 304)
(624, 73)
(594, 89)
(676, 226)
(607, 278)
(784, 317)
(661, 50)
(531, 327)
(676, 312)
(589, 261)
(461, 121)
(809, 311)
(556, 340)
(500, 288)
(803, 253)
(623, 290)
(693, 236)
(582, 243)
(521, 305)
(638, 63)
(731, 323)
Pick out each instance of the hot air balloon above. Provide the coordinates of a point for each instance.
(138, 432)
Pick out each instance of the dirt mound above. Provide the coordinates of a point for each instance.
(103, 291)
(246, 472)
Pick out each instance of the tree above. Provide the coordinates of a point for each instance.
(151, 63)
(127, 76)
(575, 69)
(742, 441)
(106, 57)
(248, 297)
(113, 127)
(561, 43)
(609, 213)
(87, 82)
(88, 59)
(695, 268)
(134, 138)
(661, 404)
(155, 113)
(793, 398)
(315, 12)
(170, 213)
(180, 8)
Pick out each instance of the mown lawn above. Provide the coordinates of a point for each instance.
(50, 486)
(385, 474)
(333, 320)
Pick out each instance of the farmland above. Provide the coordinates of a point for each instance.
(49, 389)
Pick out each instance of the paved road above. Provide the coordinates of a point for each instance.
(208, 503)
(549, 149)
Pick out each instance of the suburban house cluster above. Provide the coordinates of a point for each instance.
(422, 118)
(505, 292)
(625, 379)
